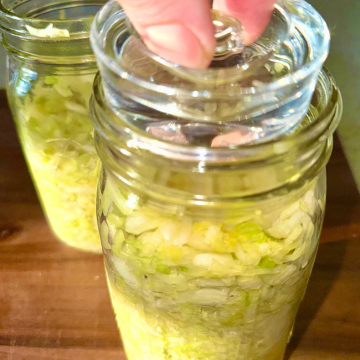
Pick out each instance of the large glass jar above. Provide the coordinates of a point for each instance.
(50, 72)
(209, 231)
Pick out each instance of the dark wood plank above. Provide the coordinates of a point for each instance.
(53, 299)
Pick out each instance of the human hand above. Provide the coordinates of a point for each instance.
(181, 31)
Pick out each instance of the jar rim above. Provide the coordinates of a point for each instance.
(16, 25)
(319, 130)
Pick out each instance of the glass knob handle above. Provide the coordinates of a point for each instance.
(228, 35)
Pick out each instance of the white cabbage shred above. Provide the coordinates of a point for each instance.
(57, 138)
(49, 32)
(185, 289)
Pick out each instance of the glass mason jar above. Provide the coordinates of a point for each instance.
(50, 72)
(210, 219)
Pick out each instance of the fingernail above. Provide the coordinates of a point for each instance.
(178, 44)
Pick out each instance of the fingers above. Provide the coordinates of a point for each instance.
(180, 31)
(253, 14)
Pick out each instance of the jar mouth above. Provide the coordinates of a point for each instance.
(108, 25)
(326, 108)
(75, 17)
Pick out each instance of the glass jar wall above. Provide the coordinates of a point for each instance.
(208, 259)
(51, 69)
(212, 191)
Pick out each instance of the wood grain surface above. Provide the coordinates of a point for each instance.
(54, 302)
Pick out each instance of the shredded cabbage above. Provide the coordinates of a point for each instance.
(50, 31)
(188, 289)
(57, 138)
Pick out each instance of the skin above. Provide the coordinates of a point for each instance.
(181, 31)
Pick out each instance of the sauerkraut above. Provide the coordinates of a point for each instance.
(57, 138)
(50, 31)
(189, 289)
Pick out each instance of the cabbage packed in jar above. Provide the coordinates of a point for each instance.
(50, 73)
(189, 288)
(211, 199)
(51, 113)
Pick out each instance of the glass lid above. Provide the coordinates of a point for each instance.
(249, 93)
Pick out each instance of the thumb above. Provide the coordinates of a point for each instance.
(179, 31)
(253, 14)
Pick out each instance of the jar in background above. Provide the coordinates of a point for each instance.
(50, 72)
(212, 191)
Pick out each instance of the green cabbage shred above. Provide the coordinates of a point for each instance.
(58, 142)
(187, 289)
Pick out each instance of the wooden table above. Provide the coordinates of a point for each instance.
(54, 302)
